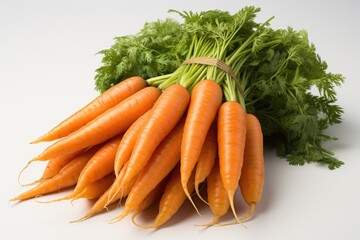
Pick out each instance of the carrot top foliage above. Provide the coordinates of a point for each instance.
(283, 81)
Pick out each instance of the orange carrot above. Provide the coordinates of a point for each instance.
(172, 198)
(52, 168)
(67, 177)
(164, 159)
(231, 144)
(217, 195)
(107, 125)
(127, 142)
(149, 200)
(206, 159)
(100, 165)
(115, 192)
(96, 189)
(165, 114)
(205, 101)
(252, 175)
(105, 101)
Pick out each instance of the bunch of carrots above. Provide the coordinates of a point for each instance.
(155, 147)
(161, 140)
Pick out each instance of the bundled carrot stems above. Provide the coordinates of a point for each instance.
(187, 108)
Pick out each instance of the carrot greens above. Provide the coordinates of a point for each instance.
(277, 71)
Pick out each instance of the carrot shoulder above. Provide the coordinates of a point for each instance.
(107, 125)
(105, 101)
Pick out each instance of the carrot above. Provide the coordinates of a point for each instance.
(107, 125)
(100, 165)
(127, 142)
(206, 159)
(163, 160)
(52, 168)
(96, 189)
(65, 178)
(205, 101)
(252, 176)
(217, 195)
(112, 194)
(231, 144)
(149, 200)
(105, 101)
(172, 198)
(165, 114)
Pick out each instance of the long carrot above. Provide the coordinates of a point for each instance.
(107, 125)
(205, 101)
(252, 175)
(105, 101)
(231, 144)
(165, 114)
(217, 196)
(164, 159)
(206, 159)
(127, 143)
(100, 165)
(67, 177)
(172, 198)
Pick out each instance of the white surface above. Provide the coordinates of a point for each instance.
(47, 66)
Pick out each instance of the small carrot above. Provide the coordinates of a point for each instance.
(206, 159)
(100, 165)
(107, 125)
(231, 144)
(52, 168)
(105, 101)
(67, 177)
(205, 101)
(252, 176)
(149, 200)
(127, 142)
(172, 198)
(96, 189)
(112, 194)
(163, 160)
(217, 196)
(165, 114)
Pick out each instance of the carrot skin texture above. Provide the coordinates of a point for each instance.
(100, 165)
(55, 165)
(67, 177)
(205, 101)
(217, 195)
(127, 142)
(231, 145)
(107, 125)
(172, 198)
(100, 104)
(206, 159)
(96, 189)
(252, 176)
(164, 159)
(165, 114)
(149, 200)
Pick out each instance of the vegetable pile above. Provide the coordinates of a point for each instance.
(188, 107)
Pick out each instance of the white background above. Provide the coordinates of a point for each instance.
(47, 67)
